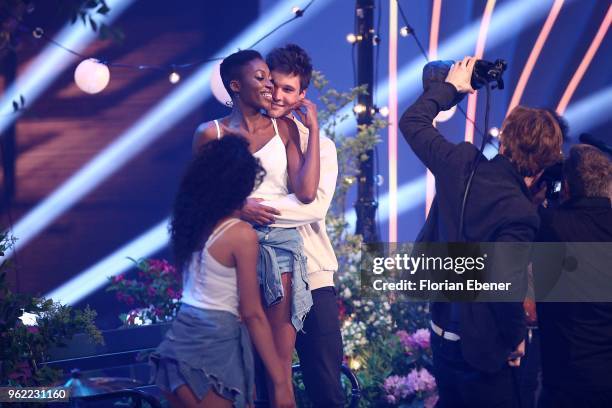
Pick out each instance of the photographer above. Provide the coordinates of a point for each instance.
(576, 338)
(476, 344)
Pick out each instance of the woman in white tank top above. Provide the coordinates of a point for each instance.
(205, 359)
(276, 143)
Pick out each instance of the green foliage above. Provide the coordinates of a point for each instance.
(372, 348)
(24, 347)
(88, 12)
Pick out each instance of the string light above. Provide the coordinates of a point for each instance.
(352, 38)
(174, 77)
(384, 111)
(359, 108)
(405, 31)
(494, 132)
(91, 76)
(100, 69)
(38, 33)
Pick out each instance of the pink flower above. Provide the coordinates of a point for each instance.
(391, 399)
(431, 401)
(418, 340)
(421, 338)
(151, 291)
(129, 300)
(118, 278)
(397, 386)
(421, 380)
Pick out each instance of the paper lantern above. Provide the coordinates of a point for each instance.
(217, 88)
(91, 76)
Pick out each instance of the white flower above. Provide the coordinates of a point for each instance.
(29, 319)
(346, 293)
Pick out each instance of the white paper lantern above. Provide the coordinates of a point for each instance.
(446, 115)
(91, 76)
(217, 88)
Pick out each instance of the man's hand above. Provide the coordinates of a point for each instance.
(257, 213)
(460, 75)
(514, 359)
(306, 111)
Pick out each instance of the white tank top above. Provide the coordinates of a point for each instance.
(273, 158)
(208, 284)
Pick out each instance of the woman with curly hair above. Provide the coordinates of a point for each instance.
(276, 142)
(205, 359)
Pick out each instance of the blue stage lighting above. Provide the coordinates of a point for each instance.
(185, 98)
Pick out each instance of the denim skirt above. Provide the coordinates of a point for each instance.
(206, 349)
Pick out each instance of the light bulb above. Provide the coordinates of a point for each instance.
(91, 76)
(174, 77)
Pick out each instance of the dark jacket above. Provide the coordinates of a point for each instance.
(499, 209)
(577, 337)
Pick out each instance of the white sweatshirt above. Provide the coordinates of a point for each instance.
(310, 218)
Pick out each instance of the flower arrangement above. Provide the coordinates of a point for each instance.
(385, 343)
(30, 327)
(154, 294)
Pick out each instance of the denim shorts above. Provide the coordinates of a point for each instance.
(284, 259)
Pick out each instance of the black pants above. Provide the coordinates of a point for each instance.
(319, 347)
(462, 386)
(572, 397)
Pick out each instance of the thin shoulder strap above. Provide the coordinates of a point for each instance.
(220, 230)
(218, 129)
(275, 126)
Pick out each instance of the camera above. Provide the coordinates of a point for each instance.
(553, 177)
(484, 72)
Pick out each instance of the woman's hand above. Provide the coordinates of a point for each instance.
(283, 395)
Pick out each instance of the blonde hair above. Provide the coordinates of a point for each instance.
(588, 172)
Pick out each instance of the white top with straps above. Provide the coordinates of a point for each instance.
(208, 284)
(273, 158)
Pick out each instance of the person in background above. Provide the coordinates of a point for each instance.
(476, 346)
(576, 337)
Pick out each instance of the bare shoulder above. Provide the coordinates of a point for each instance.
(205, 133)
(242, 233)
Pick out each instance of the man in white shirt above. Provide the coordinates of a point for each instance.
(319, 345)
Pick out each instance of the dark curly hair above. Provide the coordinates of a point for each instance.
(232, 64)
(291, 59)
(216, 183)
